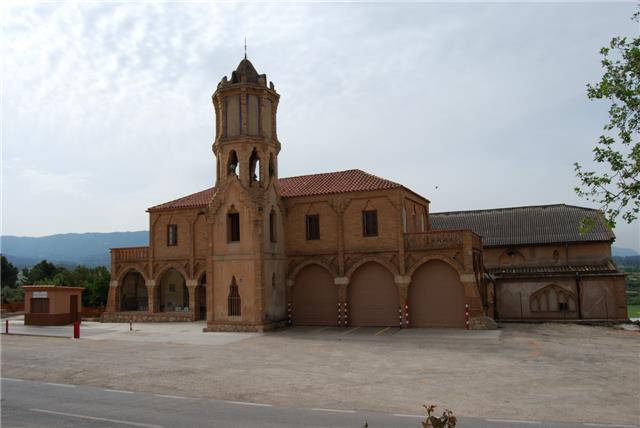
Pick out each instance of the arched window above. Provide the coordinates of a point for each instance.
(552, 298)
(233, 167)
(234, 304)
(254, 167)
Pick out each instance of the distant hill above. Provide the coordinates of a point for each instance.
(623, 252)
(89, 249)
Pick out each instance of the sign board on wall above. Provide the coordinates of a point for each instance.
(40, 294)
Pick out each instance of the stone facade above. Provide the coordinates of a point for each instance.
(257, 252)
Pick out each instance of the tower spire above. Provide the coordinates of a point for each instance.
(245, 47)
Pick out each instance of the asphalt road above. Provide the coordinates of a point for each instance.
(40, 404)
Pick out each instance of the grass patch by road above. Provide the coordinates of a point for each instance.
(634, 311)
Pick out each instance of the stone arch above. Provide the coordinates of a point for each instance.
(552, 298)
(429, 258)
(233, 165)
(132, 294)
(298, 268)
(373, 296)
(255, 167)
(172, 293)
(128, 269)
(314, 296)
(436, 296)
(176, 266)
(385, 263)
(200, 273)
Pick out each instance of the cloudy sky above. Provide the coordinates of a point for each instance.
(106, 107)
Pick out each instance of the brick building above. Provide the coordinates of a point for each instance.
(348, 248)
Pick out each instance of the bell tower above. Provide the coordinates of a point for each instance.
(246, 262)
(245, 110)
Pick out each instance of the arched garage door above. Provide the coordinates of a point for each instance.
(314, 297)
(436, 296)
(373, 297)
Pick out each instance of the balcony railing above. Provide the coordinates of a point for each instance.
(130, 254)
(440, 240)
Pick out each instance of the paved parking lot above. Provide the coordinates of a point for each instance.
(537, 372)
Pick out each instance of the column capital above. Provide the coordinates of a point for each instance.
(468, 277)
(192, 283)
(341, 280)
(290, 283)
(113, 284)
(150, 282)
(402, 280)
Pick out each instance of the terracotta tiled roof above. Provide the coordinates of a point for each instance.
(195, 200)
(543, 224)
(353, 180)
(528, 270)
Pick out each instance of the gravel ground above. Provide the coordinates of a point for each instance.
(539, 371)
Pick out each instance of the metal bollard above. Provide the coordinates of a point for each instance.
(6, 327)
(130, 325)
(406, 315)
(76, 330)
(466, 316)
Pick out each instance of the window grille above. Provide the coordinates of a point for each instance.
(234, 299)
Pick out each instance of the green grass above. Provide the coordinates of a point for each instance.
(634, 311)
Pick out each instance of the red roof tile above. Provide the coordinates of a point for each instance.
(199, 199)
(353, 180)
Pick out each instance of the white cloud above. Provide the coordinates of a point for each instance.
(484, 100)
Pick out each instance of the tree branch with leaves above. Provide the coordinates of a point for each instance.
(617, 189)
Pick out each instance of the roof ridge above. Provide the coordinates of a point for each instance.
(515, 208)
(326, 173)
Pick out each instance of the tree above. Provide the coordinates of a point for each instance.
(9, 273)
(617, 189)
(41, 273)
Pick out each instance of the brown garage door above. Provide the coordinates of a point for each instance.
(436, 297)
(373, 297)
(314, 298)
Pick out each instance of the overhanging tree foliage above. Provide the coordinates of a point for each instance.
(617, 189)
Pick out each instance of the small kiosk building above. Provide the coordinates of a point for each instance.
(51, 304)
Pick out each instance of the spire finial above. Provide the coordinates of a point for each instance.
(245, 48)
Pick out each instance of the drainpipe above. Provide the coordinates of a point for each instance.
(578, 299)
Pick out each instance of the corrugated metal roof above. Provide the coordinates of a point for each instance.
(353, 180)
(542, 224)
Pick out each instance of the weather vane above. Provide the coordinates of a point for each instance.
(245, 48)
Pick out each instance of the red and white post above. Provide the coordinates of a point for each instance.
(466, 316)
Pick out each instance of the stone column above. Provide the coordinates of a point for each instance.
(151, 296)
(112, 299)
(192, 285)
(403, 282)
